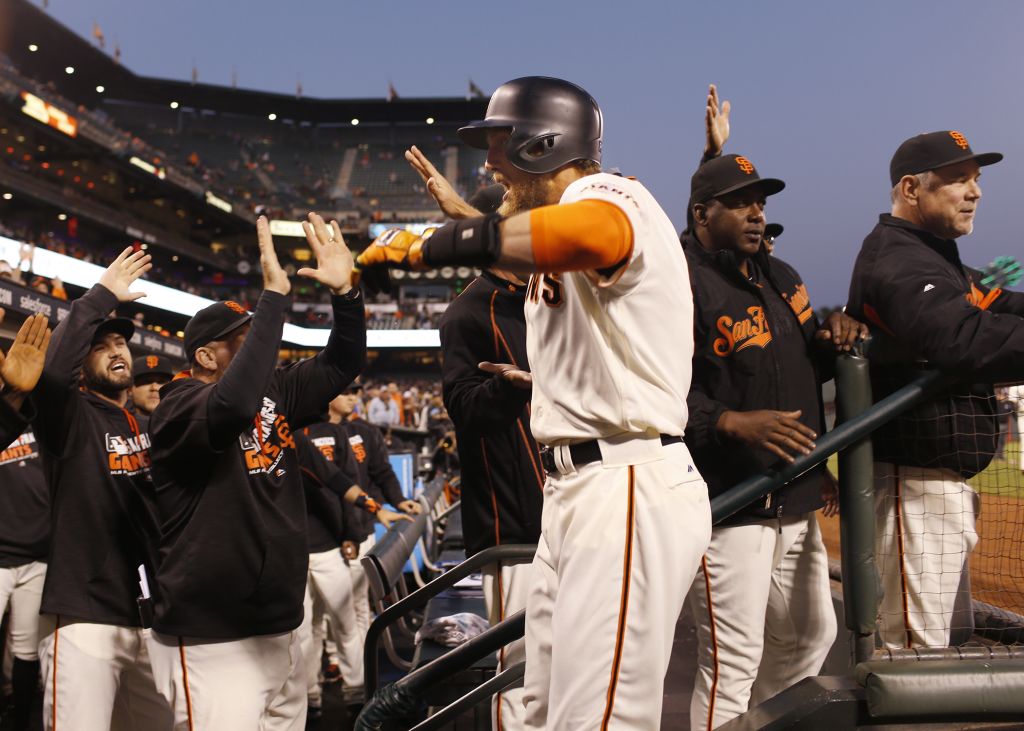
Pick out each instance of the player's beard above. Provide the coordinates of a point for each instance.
(106, 384)
(533, 193)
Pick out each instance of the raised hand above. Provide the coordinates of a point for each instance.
(126, 268)
(333, 258)
(450, 202)
(274, 277)
(716, 123)
(506, 372)
(21, 369)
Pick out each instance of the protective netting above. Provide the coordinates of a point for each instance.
(949, 493)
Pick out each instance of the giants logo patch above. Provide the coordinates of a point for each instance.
(326, 447)
(22, 448)
(235, 307)
(959, 139)
(126, 455)
(745, 165)
(751, 331)
(358, 448)
(152, 361)
(264, 446)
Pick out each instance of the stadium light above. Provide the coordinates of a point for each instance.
(100, 89)
(8, 196)
(33, 47)
(62, 217)
(271, 116)
(174, 105)
(355, 122)
(430, 120)
(69, 70)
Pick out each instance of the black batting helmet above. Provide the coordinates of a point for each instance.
(553, 122)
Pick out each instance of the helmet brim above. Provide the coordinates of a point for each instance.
(474, 134)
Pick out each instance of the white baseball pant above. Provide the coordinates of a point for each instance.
(763, 609)
(22, 586)
(98, 677)
(255, 683)
(329, 593)
(505, 593)
(620, 543)
(361, 601)
(924, 534)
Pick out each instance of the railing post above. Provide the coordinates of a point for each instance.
(857, 509)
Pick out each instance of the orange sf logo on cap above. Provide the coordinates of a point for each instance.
(959, 139)
(235, 307)
(745, 165)
(152, 361)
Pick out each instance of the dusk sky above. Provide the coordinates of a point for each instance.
(822, 92)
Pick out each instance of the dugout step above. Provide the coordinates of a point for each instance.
(839, 703)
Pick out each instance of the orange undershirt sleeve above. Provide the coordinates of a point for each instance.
(588, 234)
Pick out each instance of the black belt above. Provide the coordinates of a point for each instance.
(585, 453)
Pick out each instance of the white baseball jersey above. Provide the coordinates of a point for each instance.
(611, 352)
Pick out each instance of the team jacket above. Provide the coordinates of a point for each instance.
(325, 484)
(233, 533)
(12, 421)
(96, 458)
(360, 444)
(927, 309)
(753, 349)
(24, 503)
(502, 480)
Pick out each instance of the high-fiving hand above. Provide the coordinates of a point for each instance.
(450, 202)
(333, 259)
(716, 123)
(123, 272)
(21, 368)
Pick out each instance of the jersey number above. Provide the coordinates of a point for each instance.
(547, 287)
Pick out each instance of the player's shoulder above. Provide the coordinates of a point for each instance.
(628, 194)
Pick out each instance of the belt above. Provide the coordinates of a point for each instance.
(585, 453)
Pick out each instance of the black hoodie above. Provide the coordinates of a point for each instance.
(96, 457)
(233, 517)
(24, 503)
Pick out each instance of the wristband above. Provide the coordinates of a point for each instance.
(367, 503)
(474, 242)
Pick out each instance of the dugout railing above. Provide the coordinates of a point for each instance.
(957, 684)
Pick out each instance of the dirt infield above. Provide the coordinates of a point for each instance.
(997, 564)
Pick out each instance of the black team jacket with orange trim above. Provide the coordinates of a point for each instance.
(233, 551)
(24, 503)
(754, 349)
(96, 458)
(325, 484)
(927, 310)
(13, 421)
(502, 479)
(362, 443)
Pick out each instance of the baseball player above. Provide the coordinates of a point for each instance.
(761, 601)
(233, 550)
(909, 284)
(149, 373)
(96, 456)
(328, 582)
(610, 373)
(502, 481)
(19, 372)
(24, 537)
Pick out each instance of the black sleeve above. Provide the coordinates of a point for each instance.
(13, 421)
(57, 395)
(702, 420)
(1009, 303)
(925, 307)
(238, 396)
(308, 386)
(476, 401)
(379, 468)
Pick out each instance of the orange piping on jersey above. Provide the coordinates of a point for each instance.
(903, 571)
(494, 498)
(714, 643)
(184, 680)
(988, 299)
(620, 635)
(501, 652)
(494, 326)
(588, 234)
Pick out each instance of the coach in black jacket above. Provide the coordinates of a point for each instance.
(759, 358)
(928, 310)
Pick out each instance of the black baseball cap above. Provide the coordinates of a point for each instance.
(935, 150)
(213, 323)
(727, 174)
(120, 325)
(773, 230)
(152, 365)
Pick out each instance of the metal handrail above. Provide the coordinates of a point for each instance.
(505, 679)
(419, 598)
